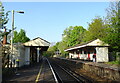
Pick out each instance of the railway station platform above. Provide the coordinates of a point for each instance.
(45, 73)
(102, 70)
(39, 72)
(105, 65)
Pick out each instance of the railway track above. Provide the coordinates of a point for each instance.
(51, 70)
(65, 75)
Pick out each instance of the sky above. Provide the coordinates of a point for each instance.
(48, 20)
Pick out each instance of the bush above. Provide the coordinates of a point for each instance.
(114, 62)
(48, 54)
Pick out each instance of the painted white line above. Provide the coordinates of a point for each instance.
(52, 71)
(38, 74)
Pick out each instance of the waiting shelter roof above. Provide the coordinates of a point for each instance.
(95, 43)
(37, 42)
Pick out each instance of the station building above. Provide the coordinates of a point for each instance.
(87, 50)
(29, 52)
(34, 49)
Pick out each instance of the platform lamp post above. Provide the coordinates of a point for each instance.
(13, 11)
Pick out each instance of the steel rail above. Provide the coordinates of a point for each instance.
(79, 78)
(52, 71)
(59, 78)
(69, 73)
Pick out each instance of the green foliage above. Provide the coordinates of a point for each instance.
(20, 37)
(53, 48)
(73, 35)
(114, 62)
(96, 30)
(3, 21)
(48, 54)
(105, 29)
(62, 45)
(113, 35)
(3, 16)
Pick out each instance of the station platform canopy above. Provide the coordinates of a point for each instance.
(37, 42)
(95, 43)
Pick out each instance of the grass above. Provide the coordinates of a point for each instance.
(114, 62)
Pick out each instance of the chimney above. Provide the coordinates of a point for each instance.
(5, 38)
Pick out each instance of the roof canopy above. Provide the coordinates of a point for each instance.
(95, 43)
(37, 42)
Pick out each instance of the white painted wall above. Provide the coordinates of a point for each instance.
(15, 55)
(38, 55)
(101, 54)
(18, 53)
(27, 55)
(21, 56)
(83, 56)
(75, 55)
(91, 56)
(71, 54)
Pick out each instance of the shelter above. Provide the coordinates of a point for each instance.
(34, 49)
(29, 52)
(87, 50)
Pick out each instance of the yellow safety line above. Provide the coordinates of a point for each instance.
(39, 74)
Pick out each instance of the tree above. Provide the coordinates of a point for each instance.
(107, 29)
(113, 31)
(95, 30)
(73, 35)
(53, 48)
(4, 50)
(3, 21)
(62, 46)
(20, 37)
